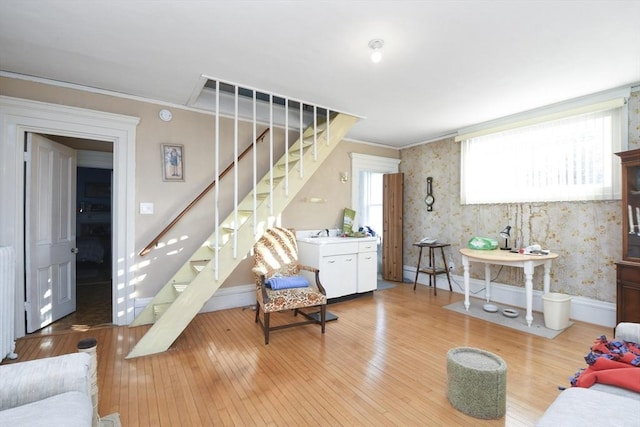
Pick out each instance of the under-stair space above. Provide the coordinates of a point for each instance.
(195, 282)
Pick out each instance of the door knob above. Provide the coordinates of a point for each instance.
(74, 250)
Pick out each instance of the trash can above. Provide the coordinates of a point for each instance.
(556, 308)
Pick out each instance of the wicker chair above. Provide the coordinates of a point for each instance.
(276, 256)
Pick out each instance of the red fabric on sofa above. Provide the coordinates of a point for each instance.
(614, 363)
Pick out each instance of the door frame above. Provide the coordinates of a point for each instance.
(369, 163)
(19, 116)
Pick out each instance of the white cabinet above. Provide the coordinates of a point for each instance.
(347, 265)
(367, 266)
(339, 274)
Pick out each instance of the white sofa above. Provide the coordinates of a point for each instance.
(54, 391)
(599, 404)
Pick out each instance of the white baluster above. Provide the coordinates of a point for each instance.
(255, 167)
(270, 154)
(235, 175)
(216, 215)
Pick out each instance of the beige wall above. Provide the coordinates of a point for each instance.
(326, 185)
(196, 132)
(587, 235)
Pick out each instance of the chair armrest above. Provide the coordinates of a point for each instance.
(34, 380)
(317, 276)
(308, 268)
(263, 290)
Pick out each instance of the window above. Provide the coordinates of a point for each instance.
(371, 200)
(562, 159)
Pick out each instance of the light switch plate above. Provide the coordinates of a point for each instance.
(146, 208)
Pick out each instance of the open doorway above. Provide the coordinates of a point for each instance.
(367, 189)
(94, 243)
(370, 208)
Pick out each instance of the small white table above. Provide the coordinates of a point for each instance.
(500, 257)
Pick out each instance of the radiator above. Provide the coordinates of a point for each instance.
(7, 303)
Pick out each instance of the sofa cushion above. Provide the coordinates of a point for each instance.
(619, 391)
(68, 409)
(628, 331)
(33, 380)
(583, 406)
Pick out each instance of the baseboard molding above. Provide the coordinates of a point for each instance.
(232, 297)
(224, 298)
(582, 309)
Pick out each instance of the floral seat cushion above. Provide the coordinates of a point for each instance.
(288, 299)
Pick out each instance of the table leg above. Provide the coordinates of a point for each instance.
(487, 281)
(547, 276)
(446, 268)
(528, 290)
(465, 265)
(417, 269)
(432, 266)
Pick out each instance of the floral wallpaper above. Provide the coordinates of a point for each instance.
(586, 235)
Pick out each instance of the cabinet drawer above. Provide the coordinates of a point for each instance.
(628, 274)
(339, 249)
(367, 247)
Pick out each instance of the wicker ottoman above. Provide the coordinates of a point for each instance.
(477, 382)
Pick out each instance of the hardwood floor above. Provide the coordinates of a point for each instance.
(93, 309)
(382, 363)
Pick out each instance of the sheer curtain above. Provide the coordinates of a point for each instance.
(370, 206)
(567, 159)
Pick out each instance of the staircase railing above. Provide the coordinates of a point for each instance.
(204, 192)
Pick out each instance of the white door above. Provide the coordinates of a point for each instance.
(50, 234)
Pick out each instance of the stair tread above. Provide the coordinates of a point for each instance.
(180, 287)
(200, 264)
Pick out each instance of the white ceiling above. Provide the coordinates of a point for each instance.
(445, 65)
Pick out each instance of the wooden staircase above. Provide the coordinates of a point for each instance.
(195, 282)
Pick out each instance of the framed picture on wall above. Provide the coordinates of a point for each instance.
(172, 162)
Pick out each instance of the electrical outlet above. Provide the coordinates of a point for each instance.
(451, 266)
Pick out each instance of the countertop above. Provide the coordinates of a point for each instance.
(335, 240)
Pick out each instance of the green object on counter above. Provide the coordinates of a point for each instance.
(483, 243)
(347, 225)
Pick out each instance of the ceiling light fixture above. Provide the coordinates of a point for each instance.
(376, 45)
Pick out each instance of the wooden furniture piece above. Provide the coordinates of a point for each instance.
(276, 255)
(392, 214)
(628, 269)
(348, 265)
(527, 262)
(432, 270)
(628, 292)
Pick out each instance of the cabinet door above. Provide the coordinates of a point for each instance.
(367, 274)
(630, 205)
(628, 292)
(628, 304)
(339, 275)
